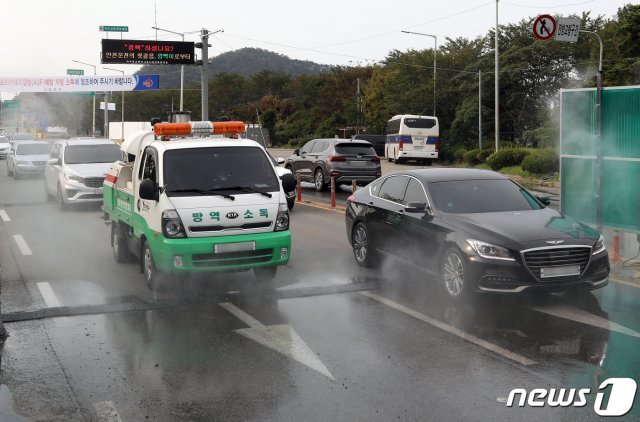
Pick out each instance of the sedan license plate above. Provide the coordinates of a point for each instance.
(560, 271)
(234, 247)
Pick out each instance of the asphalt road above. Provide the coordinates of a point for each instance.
(332, 342)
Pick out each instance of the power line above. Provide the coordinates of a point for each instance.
(548, 7)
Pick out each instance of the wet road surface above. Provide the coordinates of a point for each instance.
(332, 342)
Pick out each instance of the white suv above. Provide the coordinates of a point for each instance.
(77, 168)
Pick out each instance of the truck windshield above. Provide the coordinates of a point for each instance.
(86, 154)
(217, 170)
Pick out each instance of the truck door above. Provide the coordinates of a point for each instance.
(148, 209)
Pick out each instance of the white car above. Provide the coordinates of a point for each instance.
(27, 157)
(75, 173)
(5, 146)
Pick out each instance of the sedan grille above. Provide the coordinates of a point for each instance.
(94, 182)
(557, 257)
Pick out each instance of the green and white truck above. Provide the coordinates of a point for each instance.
(186, 199)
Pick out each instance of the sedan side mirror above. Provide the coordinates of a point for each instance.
(296, 152)
(415, 207)
(149, 190)
(545, 200)
(54, 161)
(280, 160)
(288, 182)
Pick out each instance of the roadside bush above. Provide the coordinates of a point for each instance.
(542, 161)
(447, 153)
(507, 158)
(471, 157)
(459, 154)
(484, 154)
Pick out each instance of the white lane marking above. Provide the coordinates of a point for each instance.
(579, 315)
(49, 297)
(452, 330)
(281, 338)
(22, 244)
(4, 216)
(106, 412)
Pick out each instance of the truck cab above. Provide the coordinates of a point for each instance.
(189, 202)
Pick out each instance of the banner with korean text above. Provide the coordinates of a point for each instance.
(79, 83)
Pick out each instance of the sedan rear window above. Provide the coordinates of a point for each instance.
(355, 149)
(478, 196)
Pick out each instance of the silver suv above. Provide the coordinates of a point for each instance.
(345, 160)
(77, 168)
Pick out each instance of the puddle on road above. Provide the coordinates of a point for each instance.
(7, 414)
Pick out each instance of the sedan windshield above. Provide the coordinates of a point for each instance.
(32, 149)
(478, 196)
(218, 170)
(86, 154)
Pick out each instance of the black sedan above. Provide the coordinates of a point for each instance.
(476, 231)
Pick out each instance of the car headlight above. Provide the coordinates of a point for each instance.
(172, 225)
(599, 246)
(73, 178)
(282, 220)
(490, 251)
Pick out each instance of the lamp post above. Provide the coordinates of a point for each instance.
(93, 124)
(435, 51)
(497, 84)
(204, 75)
(122, 107)
(181, 66)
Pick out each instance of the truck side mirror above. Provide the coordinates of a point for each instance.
(296, 152)
(288, 182)
(149, 190)
(545, 200)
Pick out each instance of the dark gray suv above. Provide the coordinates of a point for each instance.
(344, 159)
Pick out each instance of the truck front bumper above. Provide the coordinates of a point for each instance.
(199, 254)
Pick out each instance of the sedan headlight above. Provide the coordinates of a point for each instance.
(282, 220)
(490, 251)
(599, 246)
(172, 225)
(73, 178)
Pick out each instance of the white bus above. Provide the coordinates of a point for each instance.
(411, 137)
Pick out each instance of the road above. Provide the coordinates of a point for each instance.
(332, 342)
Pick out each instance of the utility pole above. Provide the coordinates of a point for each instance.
(122, 107)
(204, 80)
(93, 124)
(181, 66)
(497, 85)
(105, 133)
(480, 109)
(358, 107)
(435, 51)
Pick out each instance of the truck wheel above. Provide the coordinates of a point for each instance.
(152, 276)
(265, 274)
(119, 243)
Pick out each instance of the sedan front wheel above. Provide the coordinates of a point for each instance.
(363, 249)
(454, 274)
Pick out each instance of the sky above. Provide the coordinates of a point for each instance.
(42, 37)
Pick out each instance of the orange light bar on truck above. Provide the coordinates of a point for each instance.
(198, 128)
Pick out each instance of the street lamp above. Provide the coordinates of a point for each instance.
(122, 111)
(181, 66)
(93, 124)
(435, 50)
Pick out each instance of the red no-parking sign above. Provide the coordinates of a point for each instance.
(544, 27)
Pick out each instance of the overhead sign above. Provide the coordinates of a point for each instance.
(147, 52)
(568, 29)
(7, 104)
(107, 28)
(77, 72)
(79, 83)
(544, 27)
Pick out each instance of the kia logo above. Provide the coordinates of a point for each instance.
(232, 215)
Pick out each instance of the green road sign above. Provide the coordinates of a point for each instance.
(83, 94)
(11, 104)
(107, 28)
(77, 72)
